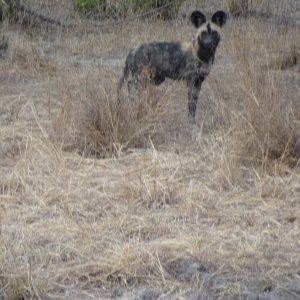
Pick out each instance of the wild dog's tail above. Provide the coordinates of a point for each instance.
(125, 71)
(123, 78)
(3, 47)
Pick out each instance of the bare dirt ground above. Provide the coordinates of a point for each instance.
(102, 200)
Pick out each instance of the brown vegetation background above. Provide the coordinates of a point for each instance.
(102, 198)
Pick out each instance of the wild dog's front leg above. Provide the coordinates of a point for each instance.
(194, 87)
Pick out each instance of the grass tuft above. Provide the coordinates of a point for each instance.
(110, 124)
(103, 195)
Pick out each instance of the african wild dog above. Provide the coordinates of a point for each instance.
(191, 62)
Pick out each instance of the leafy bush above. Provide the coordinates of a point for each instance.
(6, 9)
(165, 9)
(87, 6)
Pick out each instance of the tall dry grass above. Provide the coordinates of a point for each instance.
(183, 207)
(266, 128)
(104, 124)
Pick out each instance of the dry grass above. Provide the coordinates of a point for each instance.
(268, 126)
(223, 193)
(103, 123)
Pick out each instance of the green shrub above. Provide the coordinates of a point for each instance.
(121, 8)
(6, 9)
(88, 6)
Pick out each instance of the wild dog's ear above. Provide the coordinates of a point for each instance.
(197, 18)
(219, 18)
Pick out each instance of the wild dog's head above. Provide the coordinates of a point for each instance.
(208, 33)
